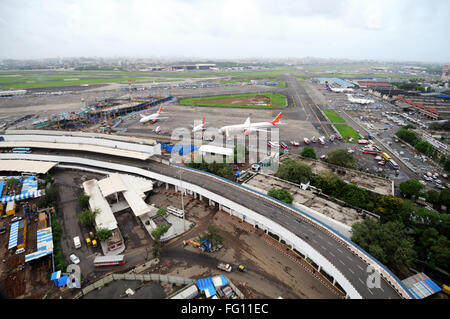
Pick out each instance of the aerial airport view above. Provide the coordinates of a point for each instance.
(130, 173)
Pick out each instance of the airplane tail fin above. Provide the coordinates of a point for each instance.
(203, 122)
(142, 115)
(160, 109)
(277, 119)
(247, 121)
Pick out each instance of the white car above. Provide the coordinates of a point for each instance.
(16, 219)
(74, 259)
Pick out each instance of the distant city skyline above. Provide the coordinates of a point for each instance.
(384, 30)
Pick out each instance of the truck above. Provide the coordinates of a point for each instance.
(225, 267)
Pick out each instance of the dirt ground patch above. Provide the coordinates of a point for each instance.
(250, 100)
(272, 272)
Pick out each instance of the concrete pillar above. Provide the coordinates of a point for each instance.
(266, 231)
(319, 269)
(334, 281)
(220, 206)
(167, 186)
(201, 197)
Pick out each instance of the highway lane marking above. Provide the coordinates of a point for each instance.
(332, 254)
(351, 271)
(370, 291)
(361, 281)
(314, 240)
(339, 250)
(341, 262)
(323, 247)
(349, 258)
(360, 267)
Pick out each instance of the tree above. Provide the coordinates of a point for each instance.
(12, 183)
(281, 194)
(308, 152)
(341, 158)
(213, 235)
(162, 212)
(389, 208)
(157, 233)
(103, 234)
(87, 217)
(444, 198)
(226, 171)
(83, 201)
(389, 242)
(294, 171)
(432, 197)
(411, 188)
(408, 136)
(354, 195)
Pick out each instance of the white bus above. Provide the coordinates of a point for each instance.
(175, 211)
(103, 261)
(393, 164)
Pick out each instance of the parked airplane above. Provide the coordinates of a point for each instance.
(152, 117)
(200, 127)
(248, 127)
(338, 90)
(352, 99)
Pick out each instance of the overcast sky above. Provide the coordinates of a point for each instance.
(412, 30)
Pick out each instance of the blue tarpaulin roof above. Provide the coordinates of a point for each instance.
(44, 244)
(421, 286)
(29, 185)
(206, 284)
(13, 233)
(15, 198)
(2, 186)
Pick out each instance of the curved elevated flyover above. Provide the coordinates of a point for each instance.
(339, 257)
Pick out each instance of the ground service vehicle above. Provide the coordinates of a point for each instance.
(103, 261)
(385, 156)
(225, 267)
(393, 164)
(77, 242)
(21, 150)
(242, 268)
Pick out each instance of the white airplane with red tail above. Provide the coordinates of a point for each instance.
(152, 117)
(248, 127)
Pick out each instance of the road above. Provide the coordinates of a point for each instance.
(350, 265)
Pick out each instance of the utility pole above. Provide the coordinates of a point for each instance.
(182, 200)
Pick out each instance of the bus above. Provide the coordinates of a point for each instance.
(103, 261)
(393, 164)
(21, 150)
(175, 211)
(386, 156)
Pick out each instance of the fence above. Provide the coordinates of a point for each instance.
(141, 277)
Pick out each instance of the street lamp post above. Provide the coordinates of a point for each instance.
(182, 201)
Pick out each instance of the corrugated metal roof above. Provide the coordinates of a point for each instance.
(13, 233)
(106, 217)
(15, 198)
(38, 167)
(421, 286)
(215, 149)
(44, 244)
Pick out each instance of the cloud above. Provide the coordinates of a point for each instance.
(383, 29)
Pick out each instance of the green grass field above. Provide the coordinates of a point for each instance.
(17, 79)
(347, 132)
(333, 116)
(276, 99)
